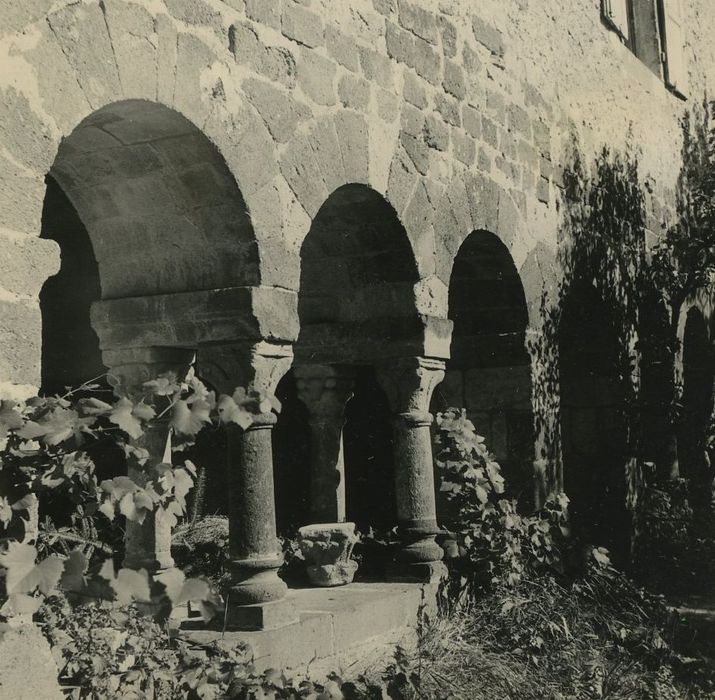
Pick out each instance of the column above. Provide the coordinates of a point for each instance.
(325, 390)
(147, 544)
(255, 599)
(409, 383)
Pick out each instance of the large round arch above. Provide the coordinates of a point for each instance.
(489, 371)
(141, 204)
(594, 433)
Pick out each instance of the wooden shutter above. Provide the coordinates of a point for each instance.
(615, 12)
(676, 74)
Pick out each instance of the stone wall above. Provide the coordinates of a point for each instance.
(457, 115)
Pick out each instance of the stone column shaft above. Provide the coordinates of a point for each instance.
(147, 544)
(254, 600)
(325, 390)
(409, 384)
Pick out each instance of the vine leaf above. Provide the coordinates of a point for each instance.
(188, 420)
(127, 584)
(128, 416)
(10, 418)
(23, 576)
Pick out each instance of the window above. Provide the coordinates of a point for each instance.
(653, 30)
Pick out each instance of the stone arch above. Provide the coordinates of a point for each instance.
(698, 371)
(489, 371)
(163, 229)
(594, 433)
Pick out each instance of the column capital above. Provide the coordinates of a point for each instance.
(409, 383)
(324, 389)
(259, 364)
(133, 365)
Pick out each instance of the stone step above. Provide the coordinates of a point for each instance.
(346, 629)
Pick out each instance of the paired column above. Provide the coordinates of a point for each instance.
(409, 383)
(325, 390)
(255, 599)
(148, 544)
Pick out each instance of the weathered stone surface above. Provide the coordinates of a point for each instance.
(273, 62)
(472, 121)
(300, 169)
(193, 58)
(354, 92)
(327, 549)
(20, 326)
(427, 62)
(464, 147)
(449, 109)
(449, 36)
(21, 196)
(27, 669)
(385, 7)
(518, 120)
(265, 11)
(316, 77)
(400, 43)
(436, 133)
(131, 29)
(197, 12)
(388, 105)
(26, 262)
(82, 34)
(413, 120)
(342, 48)
(487, 35)
(301, 25)
(352, 133)
(413, 90)
(166, 58)
(419, 21)
(453, 81)
(18, 15)
(23, 133)
(402, 180)
(417, 150)
(282, 113)
(376, 67)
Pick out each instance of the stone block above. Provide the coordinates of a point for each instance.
(353, 138)
(484, 161)
(413, 120)
(400, 44)
(518, 121)
(419, 21)
(436, 133)
(427, 572)
(354, 92)
(21, 329)
(17, 15)
(342, 48)
(487, 35)
(417, 218)
(281, 112)
(542, 138)
(449, 36)
(463, 147)
(27, 668)
(193, 57)
(471, 62)
(301, 25)
(324, 142)
(385, 7)
(262, 616)
(196, 12)
(388, 105)
(413, 90)
(23, 134)
(131, 29)
(417, 150)
(427, 62)
(543, 190)
(299, 168)
(21, 197)
(448, 107)
(376, 67)
(401, 180)
(489, 132)
(453, 81)
(82, 33)
(166, 58)
(59, 92)
(266, 12)
(472, 121)
(316, 77)
(26, 262)
(495, 106)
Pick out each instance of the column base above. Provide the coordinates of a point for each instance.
(417, 572)
(261, 616)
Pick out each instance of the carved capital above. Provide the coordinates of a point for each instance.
(134, 366)
(409, 383)
(261, 365)
(324, 389)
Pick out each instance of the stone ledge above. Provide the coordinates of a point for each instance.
(355, 627)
